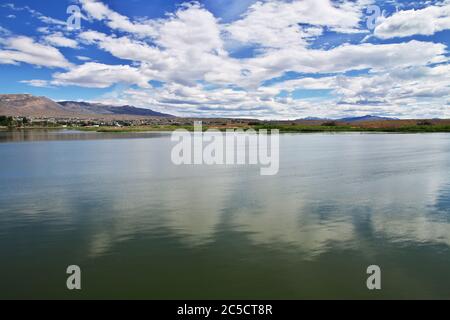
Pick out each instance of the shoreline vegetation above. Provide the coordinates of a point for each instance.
(281, 128)
(299, 126)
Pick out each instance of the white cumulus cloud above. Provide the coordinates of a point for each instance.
(25, 49)
(407, 23)
(97, 75)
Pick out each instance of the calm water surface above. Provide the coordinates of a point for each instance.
(141, 227)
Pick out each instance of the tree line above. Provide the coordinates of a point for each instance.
(11, 122)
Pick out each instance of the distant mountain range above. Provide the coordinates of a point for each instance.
(25, 105)
(367, 118)
(97, 108)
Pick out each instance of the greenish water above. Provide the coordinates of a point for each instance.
(140, 227)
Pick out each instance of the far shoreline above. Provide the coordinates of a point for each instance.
(380, 127)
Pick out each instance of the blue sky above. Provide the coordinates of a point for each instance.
(268, 59)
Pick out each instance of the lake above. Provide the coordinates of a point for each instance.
(140, 227)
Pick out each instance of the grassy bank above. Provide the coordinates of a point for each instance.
(349, 128)
(155, 128)
(31, 128)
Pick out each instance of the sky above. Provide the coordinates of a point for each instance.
(265, 59)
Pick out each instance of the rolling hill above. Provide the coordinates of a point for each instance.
(26, 105)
